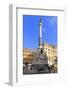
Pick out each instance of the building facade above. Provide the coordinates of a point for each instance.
(27, 55)
(51, 52)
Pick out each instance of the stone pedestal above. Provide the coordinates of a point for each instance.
(40, 62)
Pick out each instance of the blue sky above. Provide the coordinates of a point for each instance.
(31, 30)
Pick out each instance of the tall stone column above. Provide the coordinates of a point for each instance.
(40, 33)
